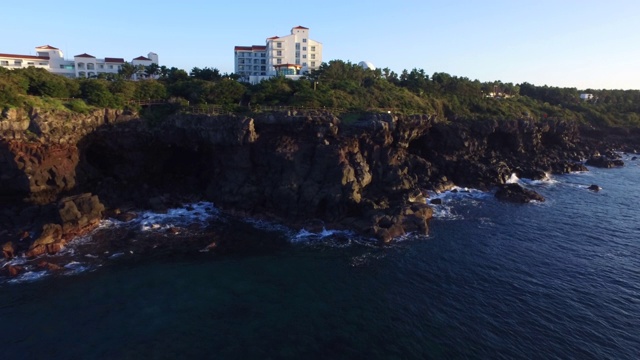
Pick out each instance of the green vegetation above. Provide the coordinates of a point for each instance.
(335, 85)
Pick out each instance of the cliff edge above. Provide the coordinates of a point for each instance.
(369, 174)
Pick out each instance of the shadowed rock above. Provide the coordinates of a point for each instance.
(517, 194)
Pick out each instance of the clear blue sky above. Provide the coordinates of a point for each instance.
(583, 44)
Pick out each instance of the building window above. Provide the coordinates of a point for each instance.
(313, 64)
(313, 56)
(297, 46)
(279, 53)
(110, 66)
(304, 64)
(90, 66)
(263, 55)
(279, 45)
(313, 48)
(4, 63)
(304, 40)
(297, 54)
(31, 64)
(297, 61)
(279, 61)
(17, 63)
(80, 65)
(263, 61)
(101, 66)
(304, 56)
(263, 68)
(43, 64)
(82, 74)
(304, 48)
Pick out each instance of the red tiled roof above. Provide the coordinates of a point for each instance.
(47, 47)
(85, 55)
(113, 60)
(301, 27)
(250, 48)
(142, 58)
(273, 38)
(24, 56)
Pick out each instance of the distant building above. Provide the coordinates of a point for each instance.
(366, 65)
(82, 66)
(586, 97)
(291, 56)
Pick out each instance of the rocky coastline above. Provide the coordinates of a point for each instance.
(60, 173)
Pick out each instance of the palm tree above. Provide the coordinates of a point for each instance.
(152, 70)
(127, 71)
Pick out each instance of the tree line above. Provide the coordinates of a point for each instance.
(336, 84)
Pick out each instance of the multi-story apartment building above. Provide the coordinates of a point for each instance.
(292, 56)
(82, 66)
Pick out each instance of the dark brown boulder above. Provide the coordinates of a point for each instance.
(50, 241)
(8, 250)
(49, 266)
(604, 162)
(594, 187)
(12, 270)
(517, 194)
(79, 214)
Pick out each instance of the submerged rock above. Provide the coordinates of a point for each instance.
(517, 194)
(594, 187)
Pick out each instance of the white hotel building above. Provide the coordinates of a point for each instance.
(82, 66)
(291, 56)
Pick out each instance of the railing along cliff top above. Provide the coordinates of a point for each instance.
(223, 110)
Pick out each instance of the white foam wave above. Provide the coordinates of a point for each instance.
(20, 260)
(188, 214)
(29, 276)
(452, 199)
(513, 179)
(306, 236)
(75, 267)
(548, 179)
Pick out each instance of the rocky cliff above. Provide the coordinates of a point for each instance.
(370, 174)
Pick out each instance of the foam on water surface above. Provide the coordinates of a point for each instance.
(453, 199)
(188, 214)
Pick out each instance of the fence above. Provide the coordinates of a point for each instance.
(222, 110)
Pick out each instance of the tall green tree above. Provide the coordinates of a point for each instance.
(127, 70)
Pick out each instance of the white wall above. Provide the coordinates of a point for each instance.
(288, 52)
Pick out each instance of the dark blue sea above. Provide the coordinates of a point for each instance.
(552, 280)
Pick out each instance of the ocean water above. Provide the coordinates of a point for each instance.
(552, 280)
